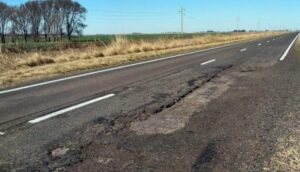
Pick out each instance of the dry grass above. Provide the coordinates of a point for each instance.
(17, 68)
(37, 60)
(287, 155)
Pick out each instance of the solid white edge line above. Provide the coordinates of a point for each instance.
(117, 68)
(54, 114)
(242, 50)
(289, 48)
(207, 62)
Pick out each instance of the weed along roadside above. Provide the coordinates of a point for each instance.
(156, 86)
(21, 67)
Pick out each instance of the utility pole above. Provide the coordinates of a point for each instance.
(258, 26)
(238, 23)
(182, 13)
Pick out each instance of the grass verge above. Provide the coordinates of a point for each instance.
(22, 67)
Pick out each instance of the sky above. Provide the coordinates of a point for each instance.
(160, 16)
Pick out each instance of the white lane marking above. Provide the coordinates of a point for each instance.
(116, 68)
(259, 44)
(210, 61)
(54, 114)
(242, 50)
(289, 48)
(268, 41)
(274, 39)
(2, 133)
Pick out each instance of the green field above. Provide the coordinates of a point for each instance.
(81, 41)
(108, 38)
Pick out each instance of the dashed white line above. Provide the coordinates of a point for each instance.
(242, 50)
(210, 61)
(268, 41)
(2, 133)
(54, 114)
(259, 44)
(114, 68)
(289, 48)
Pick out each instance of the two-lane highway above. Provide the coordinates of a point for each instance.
(40, 101)
(37, 118)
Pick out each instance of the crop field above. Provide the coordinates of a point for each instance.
(138, 37)
(18, 45)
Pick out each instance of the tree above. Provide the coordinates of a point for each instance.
(14, 25)
(48, 16)
(58, 19)
(5, 14)
(74, 15)
(22, 22)
(34, 16)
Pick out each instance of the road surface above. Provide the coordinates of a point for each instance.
(36, 116)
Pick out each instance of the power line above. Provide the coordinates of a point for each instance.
(130, 12)
(126, 18)
(129, 19)
(132, 15)
(193, 18)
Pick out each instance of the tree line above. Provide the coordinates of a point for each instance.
(51, 19)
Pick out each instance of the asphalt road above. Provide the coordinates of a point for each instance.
(37, 114)
(33, 102)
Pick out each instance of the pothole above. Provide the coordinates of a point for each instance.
(175, 118)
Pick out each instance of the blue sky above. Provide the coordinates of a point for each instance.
(155, 16)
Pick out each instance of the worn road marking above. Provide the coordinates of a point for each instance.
(259, 44)
(289, 48)
(242, 50)
(210, 61)
(54, 114)
(115, 68)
